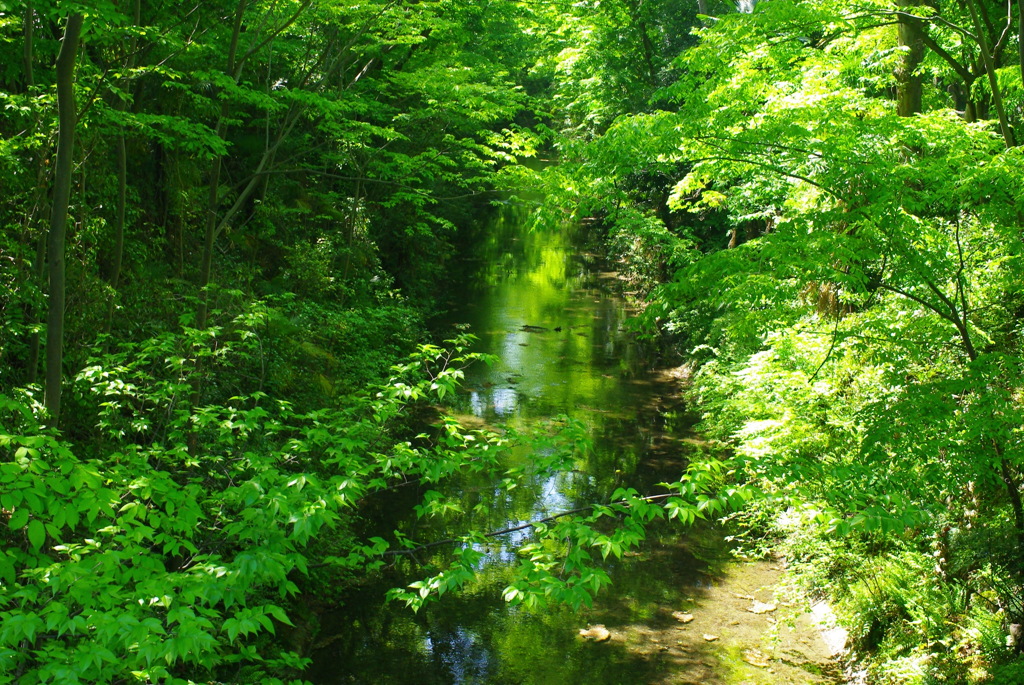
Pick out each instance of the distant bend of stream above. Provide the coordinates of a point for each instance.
(549, 310)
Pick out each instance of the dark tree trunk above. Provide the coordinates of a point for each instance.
(122, 184)
(59, 213)
(28, 57)
(213, 189)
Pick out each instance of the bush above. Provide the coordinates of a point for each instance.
(166, 545)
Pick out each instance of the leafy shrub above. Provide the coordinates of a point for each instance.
(168, 545)
(646, 249)
(1009, 674)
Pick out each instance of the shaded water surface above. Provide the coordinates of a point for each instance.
(548, 310)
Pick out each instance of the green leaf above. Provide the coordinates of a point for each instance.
(18, 519)
(278, 613)
(36, 534)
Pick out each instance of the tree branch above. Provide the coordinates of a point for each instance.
(775, 146)
(273, 34)
(771, 167)
(931, 19)
(962, 71)
(522, 526)
(961, 326)
(366, 179)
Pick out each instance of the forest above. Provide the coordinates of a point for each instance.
(234, 232)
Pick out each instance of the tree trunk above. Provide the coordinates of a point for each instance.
(635, 13)
(35, 340)
(59, 213)
(909, 81)
(28, 59)
(213, 190)
(29, 47)
(1013, 492)
(122, 182)
(213, 225)
(990, 70)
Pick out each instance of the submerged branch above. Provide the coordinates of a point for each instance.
(523, 526)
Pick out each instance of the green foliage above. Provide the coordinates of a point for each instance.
(859, 341)
(648, 249)
(113, 558)
(167, 549)
(910, 631)
(911, 617)
(219, 440)
(1011, 673)
(608, 58)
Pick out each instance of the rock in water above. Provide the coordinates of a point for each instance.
(682, 617)
(710, 638)
(597, 633)
(761, 608)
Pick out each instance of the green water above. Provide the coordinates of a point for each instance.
(549, 310)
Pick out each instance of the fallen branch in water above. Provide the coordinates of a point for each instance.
(523, 526)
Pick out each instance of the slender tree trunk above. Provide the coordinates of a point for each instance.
(28, 48)
(35, 341)
(38, 270)
(209, 229)
(990, 70)
(1012, 491)
(59, 213)
(122, 196)
(213, 190)
(213, 226)
(635, 10)
(122, 183)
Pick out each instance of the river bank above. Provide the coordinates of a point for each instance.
(741, 624)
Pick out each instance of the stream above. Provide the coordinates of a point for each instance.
(548, 309)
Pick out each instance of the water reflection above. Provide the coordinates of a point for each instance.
(498, 403)
(460, 654)
(549, 312)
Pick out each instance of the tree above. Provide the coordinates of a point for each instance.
(859, 348)
(59, 216)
